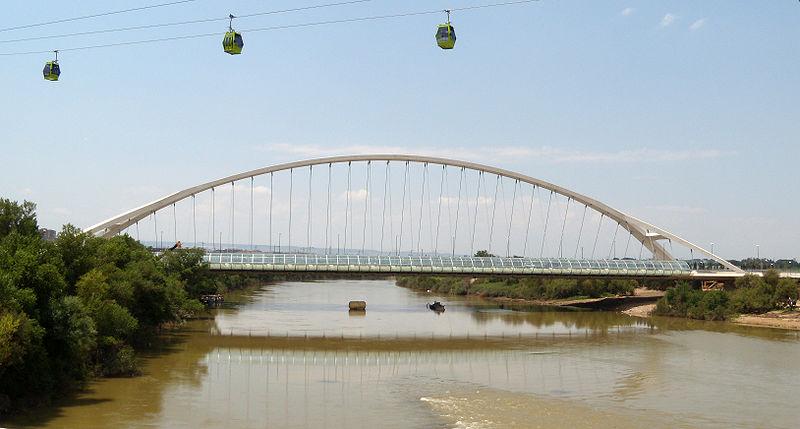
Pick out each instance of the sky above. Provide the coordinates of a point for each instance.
(681, 113)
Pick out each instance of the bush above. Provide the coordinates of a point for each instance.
(685, 301)
(527, 288)
(752, 294)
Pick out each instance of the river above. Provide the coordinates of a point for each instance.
(291, 355)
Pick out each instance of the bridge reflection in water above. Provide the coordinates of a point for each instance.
(279, 262)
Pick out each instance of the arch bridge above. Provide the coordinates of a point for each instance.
(405, 214)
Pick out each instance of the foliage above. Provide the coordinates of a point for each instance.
(529, 288)
(752, 294)
(79, 306)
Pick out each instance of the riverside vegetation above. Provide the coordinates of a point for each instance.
(749, 295)
(533, 289)
(80, 306)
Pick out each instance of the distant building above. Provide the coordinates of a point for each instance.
(48, 234)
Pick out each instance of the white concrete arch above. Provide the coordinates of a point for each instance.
(647, 234)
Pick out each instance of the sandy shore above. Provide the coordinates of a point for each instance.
(773, 319)
(640, 310)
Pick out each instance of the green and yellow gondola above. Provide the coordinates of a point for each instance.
(232, 43)
(52, 70)
(446, 34)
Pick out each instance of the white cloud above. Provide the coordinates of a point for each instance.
(698, 24)
(511, 153)
(261, 190)
(628, 11)
(668, 20)
(355, 195)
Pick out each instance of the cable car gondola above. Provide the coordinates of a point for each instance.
(232, 42)
(52, 70)
(446, 34)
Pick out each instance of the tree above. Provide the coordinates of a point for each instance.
(786, 294)
(20, 218)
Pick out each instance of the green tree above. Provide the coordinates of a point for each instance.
(786, 294)
(20, 218)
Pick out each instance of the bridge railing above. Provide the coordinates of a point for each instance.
(442, 264)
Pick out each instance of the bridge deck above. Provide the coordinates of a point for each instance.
(276, 262)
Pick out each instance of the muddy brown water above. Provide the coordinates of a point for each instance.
(291, 355)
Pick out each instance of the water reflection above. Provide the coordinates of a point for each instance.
(293, 356)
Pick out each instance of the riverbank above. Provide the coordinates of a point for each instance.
(774, 319)
(589, 294)
(784, 319)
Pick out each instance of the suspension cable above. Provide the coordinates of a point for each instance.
(466, 202)
(403, 208)
(421, 206)
(252, 202)
(628, 242)
(328, 213)
(383, 212)
(511, 219)
(411, 213)
(597, 235)
(494, 211)
(448, 202)
(613, 250)
(641, 249)
(347, 204)
(366, 205)
(439, 212)
(430, 216)
(563, 226)
(310, 206)
(475, 217)
(233, 212)
(580, 231)
(194, 223)
(155, 228)
(370, 214)
(213, 220)
(289, 232)
(271, 193)
(528, 227)
(458, 209)
(391, 212)
(546, 221)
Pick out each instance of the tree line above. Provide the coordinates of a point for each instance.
(80, 306)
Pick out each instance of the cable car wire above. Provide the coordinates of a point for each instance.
(96, 15)
(278, 27)
(179, 23)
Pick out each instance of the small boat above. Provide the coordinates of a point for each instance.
(436, 306)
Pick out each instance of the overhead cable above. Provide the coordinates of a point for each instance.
(96, 15)
(278, 27)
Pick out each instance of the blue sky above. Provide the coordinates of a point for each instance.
(681, 113)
